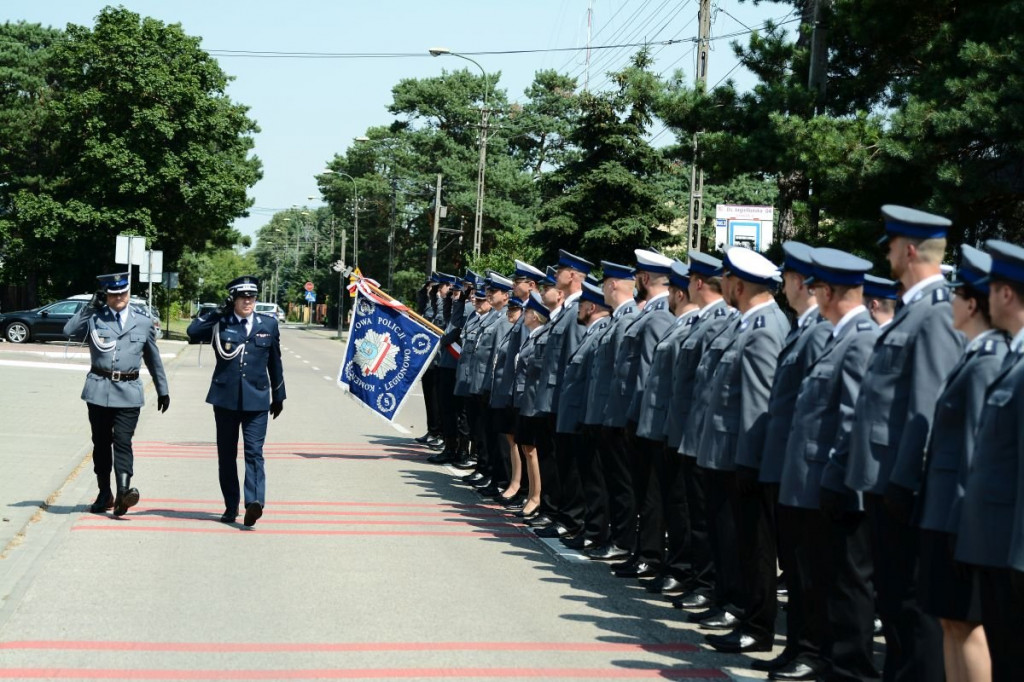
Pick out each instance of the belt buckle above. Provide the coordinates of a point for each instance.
(115, 375)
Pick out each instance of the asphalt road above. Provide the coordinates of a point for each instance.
(368, 563)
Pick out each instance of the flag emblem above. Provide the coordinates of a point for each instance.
(375, 354)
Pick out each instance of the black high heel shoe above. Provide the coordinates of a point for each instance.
(527, 515)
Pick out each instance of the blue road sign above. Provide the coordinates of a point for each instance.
(311, 296)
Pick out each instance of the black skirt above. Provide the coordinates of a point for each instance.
(503, 419)
(944, 593)
(527, 430)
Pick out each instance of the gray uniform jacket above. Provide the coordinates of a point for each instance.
(505, 375)
(897, 398)
(452, 334)
(819, 438)
(528, 405)
(492, 332)
(468, 360)
(802, 347)
(523, 391)
(991, 529)
(714, 318)
(564, 336)
(122, 350)
(734, 428)
(657, 392)
(572, 403)
(602, 371)
(951, 447)
(633, 361)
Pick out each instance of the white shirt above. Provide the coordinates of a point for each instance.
(656, 297)
(1018, 342)
(846, 319)
(806, 317)
(706, 310)
(912, 292)
(247, 321)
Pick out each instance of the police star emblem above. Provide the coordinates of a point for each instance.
(375, 354)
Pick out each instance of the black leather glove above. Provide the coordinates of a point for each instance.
(746, 480)
(98, 300)
(899, 502)
(227, 307)
(162, 403)
(831, 503)
(276, 408)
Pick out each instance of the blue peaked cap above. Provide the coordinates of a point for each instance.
(706, 265)
(114, 283)
(975, 265)
(1007, 261)
(901, 221)
(797, 258)
(593, 293)
(568, 260)
(880, 287)
(679, 275)
(616, 271)
(833, 266)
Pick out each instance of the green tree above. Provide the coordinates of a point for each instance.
(142, 139)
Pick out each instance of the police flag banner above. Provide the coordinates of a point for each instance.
(386, 355)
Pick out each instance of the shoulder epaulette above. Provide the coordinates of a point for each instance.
(692, 321)
(988, 348)
(759, 322)
(140, 311)
(865, 326)
(722, 312)
(940, 295)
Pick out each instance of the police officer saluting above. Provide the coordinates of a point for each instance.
(120, 338)
(247, 382)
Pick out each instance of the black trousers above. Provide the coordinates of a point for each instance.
(594, 489)
(615, 455)
(550, 487)
(253, 426)
(568, 447)
(449, 405)
(702, 566)
(430, 401)
(650, 545)
(721, 498)
(806, 614)
(841, 562)
(755, 532)
(1002, 614)
(112, 431)
(913, 639)
(476, 420)
(675, 512)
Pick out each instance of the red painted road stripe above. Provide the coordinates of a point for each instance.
(460, 515)
(295, 503)
(366, 673)
(267, 457)
(167, 529)
(292, 647)
(328, 522)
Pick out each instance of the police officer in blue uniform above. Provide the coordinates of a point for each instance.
(893, 420)
(120, 339)
(947, 593)
(248, 381)
(991, 531)
(880, 296)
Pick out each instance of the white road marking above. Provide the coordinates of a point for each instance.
(315, 369)
(51, 365)
(306, 361)
(329, 378)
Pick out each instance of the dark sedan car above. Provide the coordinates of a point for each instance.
(40, 324)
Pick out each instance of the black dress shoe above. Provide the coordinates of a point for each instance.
(799, 669)
(489, 491)
(424, 438)
(527, 515)
(253, 511)
(539, 521)
(513, 506)
(229, 516)
(578, 542)
(606, 552)
(704, 615)
(436, 445)
(104, 502)
(464, 464)
(482, 483)
(442, 458)
(780, 661)
(435, 441)
(472, 478)
(555, 530)
(692, 600)
(723, 621)
(509, 501)
(737, 642)
(640, 569)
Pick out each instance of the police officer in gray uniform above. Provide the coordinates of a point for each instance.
(564, 505)
(247, 384)
(894, 416)
(801, 348)
(734, 428)
(577, 464)
(617, 286)
(120, 339)
(632, 365)
(829, 577)
(880, 297)
(991, 532)
(450, 406)
(650, 427)
(705, 288)
(468, 360)
(946, 592)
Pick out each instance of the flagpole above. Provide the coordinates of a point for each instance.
(419, 318)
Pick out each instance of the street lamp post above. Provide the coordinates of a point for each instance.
(355, 214)
(478, 222)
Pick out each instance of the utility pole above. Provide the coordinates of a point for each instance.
(478, 223)
(437, 226)
(697, 176)
(818, 72)
(341, 287)
(391, 237)
(590, 24)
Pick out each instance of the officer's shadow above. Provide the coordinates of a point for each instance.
(83, 509)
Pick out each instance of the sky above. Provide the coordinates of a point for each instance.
(310, 109)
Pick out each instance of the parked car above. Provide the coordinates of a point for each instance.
(271, 309)
(45, 323)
